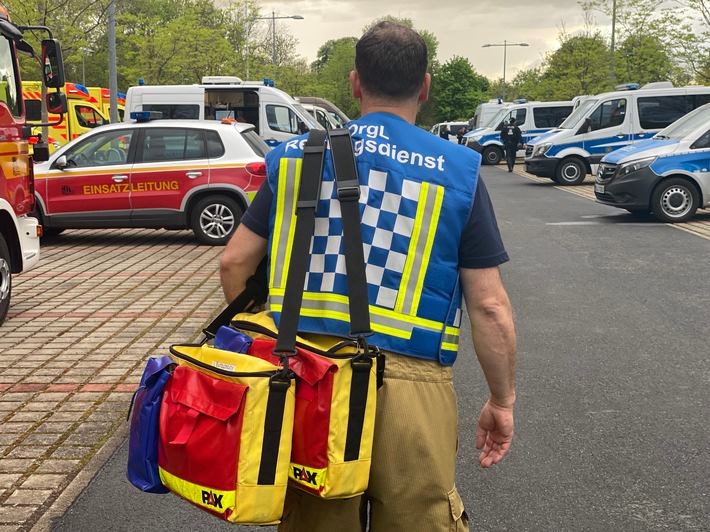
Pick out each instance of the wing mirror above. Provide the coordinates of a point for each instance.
(53, 64)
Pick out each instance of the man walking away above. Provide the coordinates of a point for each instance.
(511, 137)
(429, 234)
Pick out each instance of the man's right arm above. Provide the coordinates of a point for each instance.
(495, 344)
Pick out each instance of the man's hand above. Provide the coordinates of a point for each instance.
(494, 434)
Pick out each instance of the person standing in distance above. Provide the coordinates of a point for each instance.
(420, 262)
(511, 137)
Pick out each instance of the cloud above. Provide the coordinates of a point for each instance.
(462, 27)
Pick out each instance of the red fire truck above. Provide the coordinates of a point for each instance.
(19, 233)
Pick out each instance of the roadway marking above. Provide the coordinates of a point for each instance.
(698, 226)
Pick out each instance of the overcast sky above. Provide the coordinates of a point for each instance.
(462, 26)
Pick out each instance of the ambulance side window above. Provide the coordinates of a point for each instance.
(88, 117)
(283, 119)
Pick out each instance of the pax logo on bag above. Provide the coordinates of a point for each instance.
(210, 499)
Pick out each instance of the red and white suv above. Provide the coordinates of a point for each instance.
(173, 174)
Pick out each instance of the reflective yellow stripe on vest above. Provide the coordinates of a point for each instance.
(398, 322)
(285, 222)
(425, 223)
(336, 307)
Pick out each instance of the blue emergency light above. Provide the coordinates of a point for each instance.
(146, 116)
(627, 87)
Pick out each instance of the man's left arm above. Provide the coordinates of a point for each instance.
(239, 261)
(494, 341)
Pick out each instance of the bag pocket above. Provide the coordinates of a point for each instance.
(200, 431)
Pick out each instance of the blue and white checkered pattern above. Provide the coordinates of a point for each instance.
(388, 208)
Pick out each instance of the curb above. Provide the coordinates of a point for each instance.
(75, 488)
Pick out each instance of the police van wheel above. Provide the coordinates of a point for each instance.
(492, 155)
(675, 200)
(571, 171)
(214, 219)
(5, 279)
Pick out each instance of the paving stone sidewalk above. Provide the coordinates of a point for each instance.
(72, 351)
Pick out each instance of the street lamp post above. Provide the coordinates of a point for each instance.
(273, 18)
(505, 45)
(84, 51)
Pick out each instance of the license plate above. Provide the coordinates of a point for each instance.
(599, 188)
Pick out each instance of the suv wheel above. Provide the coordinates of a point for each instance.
(674, 200)
(571, 171)
(214, 219)
(46, 231)
(5, 279)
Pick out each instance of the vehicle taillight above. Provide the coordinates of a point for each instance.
(33, 140)
(257, 169)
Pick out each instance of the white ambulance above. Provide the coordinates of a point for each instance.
(276, 115)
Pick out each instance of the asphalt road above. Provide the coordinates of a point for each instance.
(613, 318)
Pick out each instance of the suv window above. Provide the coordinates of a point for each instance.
(173, 144)
(215, 148)
(105, 149)
(283, 119)
(256, 143)
(608, 114)
(550, 116)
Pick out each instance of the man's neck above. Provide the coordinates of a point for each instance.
(407, 112)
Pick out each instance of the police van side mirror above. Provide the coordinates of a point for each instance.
(52, 64)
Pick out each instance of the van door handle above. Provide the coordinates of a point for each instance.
(193, 174)
(119, 178)
(620, 135)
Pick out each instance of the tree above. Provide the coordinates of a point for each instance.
(656, 43)
(694, 49)
(579, 66)
(336, 59)
(74, 22)
(458, 89)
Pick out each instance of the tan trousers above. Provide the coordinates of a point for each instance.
(411, 485)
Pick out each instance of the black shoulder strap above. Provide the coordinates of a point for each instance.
(306, 205)
(348, 188)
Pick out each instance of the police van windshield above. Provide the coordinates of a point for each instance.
(573, 120)
(495, 119)
(682, 127)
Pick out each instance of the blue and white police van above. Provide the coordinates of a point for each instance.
(533, 119)
(608, 122)
(668, 175)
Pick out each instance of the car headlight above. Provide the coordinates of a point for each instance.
(473, 138)
(633, 166)
(541, 149)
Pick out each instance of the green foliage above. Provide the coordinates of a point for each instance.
(579, 66)
(457, 90)
(180, 41)
(336, 59)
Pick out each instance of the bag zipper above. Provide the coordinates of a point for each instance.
(330, 353)
(219, 371)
